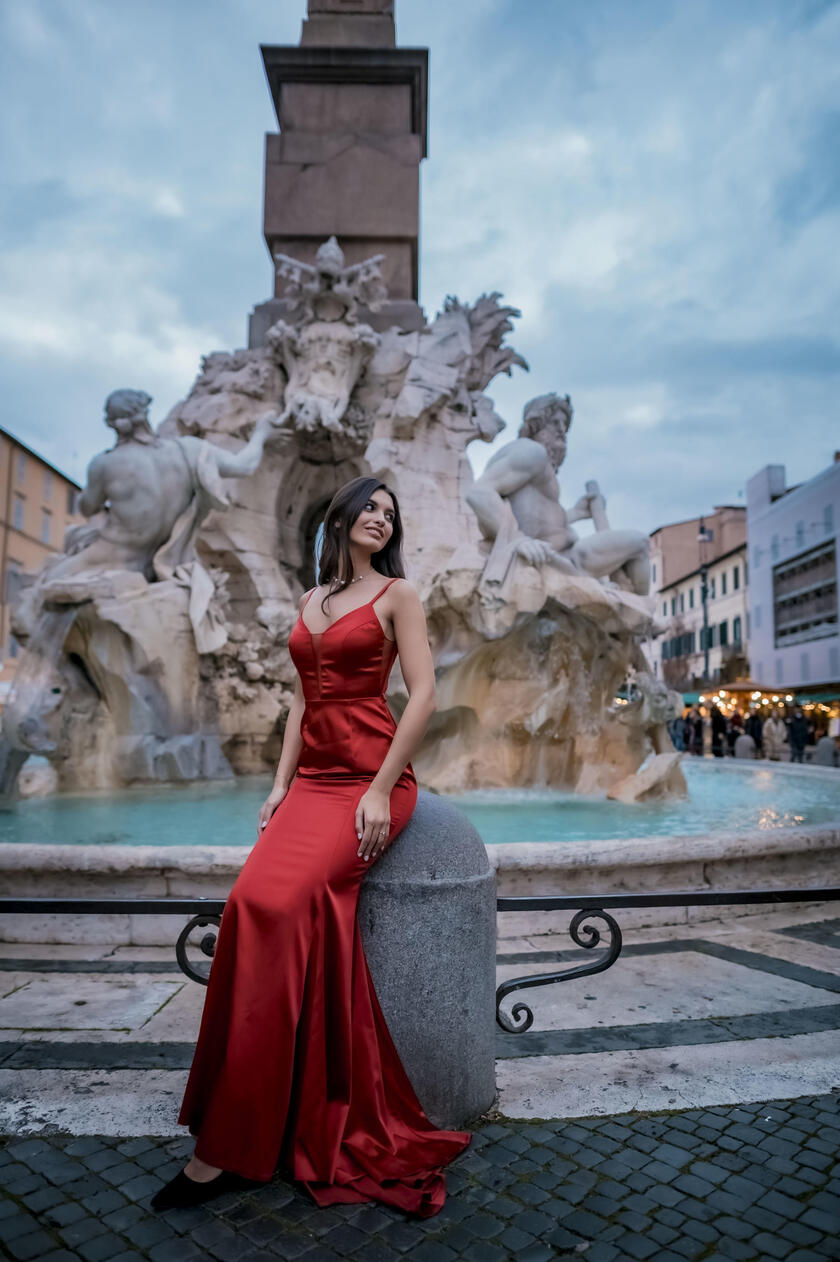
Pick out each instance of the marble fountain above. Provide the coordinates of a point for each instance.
(151, 695)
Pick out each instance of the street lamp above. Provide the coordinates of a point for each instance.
(704, 537)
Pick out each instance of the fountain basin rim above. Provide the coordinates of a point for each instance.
(636, 851)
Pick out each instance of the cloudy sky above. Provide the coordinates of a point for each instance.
(655, 183)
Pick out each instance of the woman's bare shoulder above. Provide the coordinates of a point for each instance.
(305, 597)
(403, 594)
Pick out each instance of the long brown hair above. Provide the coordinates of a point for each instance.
(342, 511)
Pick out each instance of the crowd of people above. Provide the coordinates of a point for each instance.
(781, 736)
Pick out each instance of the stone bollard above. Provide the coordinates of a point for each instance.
(744, 746)
(427, 913)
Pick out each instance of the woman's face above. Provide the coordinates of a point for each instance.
(375, 524)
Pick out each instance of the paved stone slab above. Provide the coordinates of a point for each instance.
(119, 1103)
(89, 1003)
(667, 987)
(698, 1183)
(703, 1075)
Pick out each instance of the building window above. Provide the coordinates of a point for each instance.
(664, 609)
(711, 588)
(46, 525)
(691, 598)
(48, 482)
(723, 583)
(13, 646)
(828, 519)
(21, 466)
(723, 638)
(746, 573)
(653, 572)
(673, 605)
(71, 500)
(17, 513)
(736, 630)
(682, 602)
(736, 578)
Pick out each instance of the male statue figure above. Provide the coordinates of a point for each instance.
(517, 502)
(147, 497)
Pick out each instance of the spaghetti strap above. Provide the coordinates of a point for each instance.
(384, 589)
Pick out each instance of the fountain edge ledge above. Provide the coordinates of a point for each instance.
(764, 859)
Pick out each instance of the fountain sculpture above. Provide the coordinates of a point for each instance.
(156, 643)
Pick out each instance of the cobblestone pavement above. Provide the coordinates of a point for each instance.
(751, 1182)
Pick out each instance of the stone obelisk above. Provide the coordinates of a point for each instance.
(352, 111)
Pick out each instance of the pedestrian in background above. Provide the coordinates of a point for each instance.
(735, 728)
(774, 737)
(718, 731)
(798, 735)
(695, 727)
(753, 727)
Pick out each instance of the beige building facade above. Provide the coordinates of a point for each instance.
(677, 554)
(682, 657)
(37, 504)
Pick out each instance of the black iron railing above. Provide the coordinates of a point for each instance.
(592, 907)
(206, 913)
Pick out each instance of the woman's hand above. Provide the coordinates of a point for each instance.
(373, 823)
(269, 806)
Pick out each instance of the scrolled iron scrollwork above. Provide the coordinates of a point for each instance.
(520, 1017)
(207, 945)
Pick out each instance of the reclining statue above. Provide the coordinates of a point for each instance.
(517, 502)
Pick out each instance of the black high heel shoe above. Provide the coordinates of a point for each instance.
(182, 1191)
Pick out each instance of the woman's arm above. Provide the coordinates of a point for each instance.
(292, 743)
(374, 813)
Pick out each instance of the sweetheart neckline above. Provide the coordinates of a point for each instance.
(367, 605)
(314, 634)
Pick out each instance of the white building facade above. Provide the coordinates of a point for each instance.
(792, 537)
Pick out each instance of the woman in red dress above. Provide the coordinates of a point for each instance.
(294, 1067)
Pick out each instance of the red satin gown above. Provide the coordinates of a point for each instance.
(295, 1067)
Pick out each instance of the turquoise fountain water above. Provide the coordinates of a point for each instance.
(722, 798)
